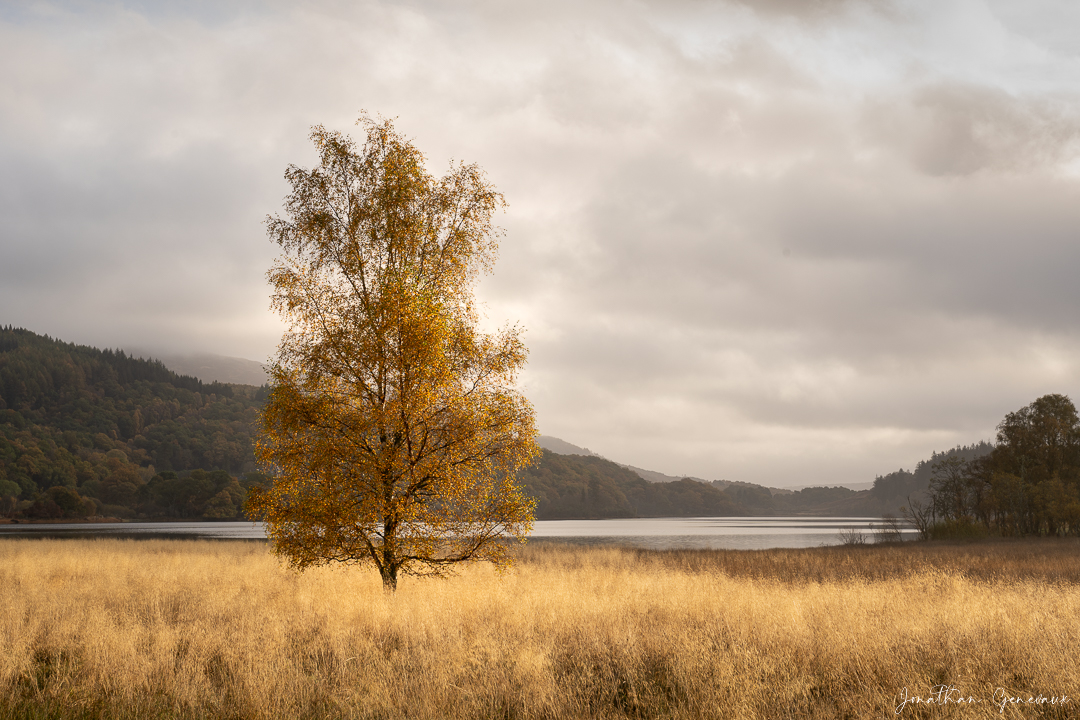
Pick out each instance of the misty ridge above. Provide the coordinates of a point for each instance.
(99, 433)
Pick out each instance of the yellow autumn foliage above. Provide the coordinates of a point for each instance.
(393, 429)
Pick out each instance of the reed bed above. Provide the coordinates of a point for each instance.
(211, 629)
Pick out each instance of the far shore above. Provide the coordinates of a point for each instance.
(104, 519)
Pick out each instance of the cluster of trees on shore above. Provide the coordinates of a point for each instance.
(894, 491)
(1027, 484)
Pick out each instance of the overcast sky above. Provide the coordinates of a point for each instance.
(783, 241)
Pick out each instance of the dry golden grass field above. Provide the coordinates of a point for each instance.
(212, 629)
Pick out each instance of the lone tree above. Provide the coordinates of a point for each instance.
(393, 427)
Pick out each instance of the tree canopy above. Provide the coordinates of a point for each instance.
(393, 426)
(1028, 484)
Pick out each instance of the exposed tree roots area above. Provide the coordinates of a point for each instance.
(201, 629)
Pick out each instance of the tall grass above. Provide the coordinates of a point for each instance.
(193, 629)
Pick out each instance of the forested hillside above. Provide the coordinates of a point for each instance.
(90, 432)
(577, 486)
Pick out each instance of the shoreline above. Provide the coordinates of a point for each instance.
(100, 519)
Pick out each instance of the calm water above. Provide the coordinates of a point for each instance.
(749, 533)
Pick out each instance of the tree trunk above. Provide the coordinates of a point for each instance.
(389, 579)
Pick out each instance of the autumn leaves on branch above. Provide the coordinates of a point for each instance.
(393, 427)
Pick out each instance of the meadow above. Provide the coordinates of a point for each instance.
(213, 629)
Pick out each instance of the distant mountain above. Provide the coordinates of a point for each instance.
(659, 477)
(561, 447)
(214, 368)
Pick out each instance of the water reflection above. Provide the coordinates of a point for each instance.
(745, 533)
(734, 533)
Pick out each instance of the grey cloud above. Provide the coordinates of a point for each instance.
(993, 247)
(805, 9)
(1048, 24)
(959, 129)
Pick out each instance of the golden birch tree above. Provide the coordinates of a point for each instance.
(393, 428)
